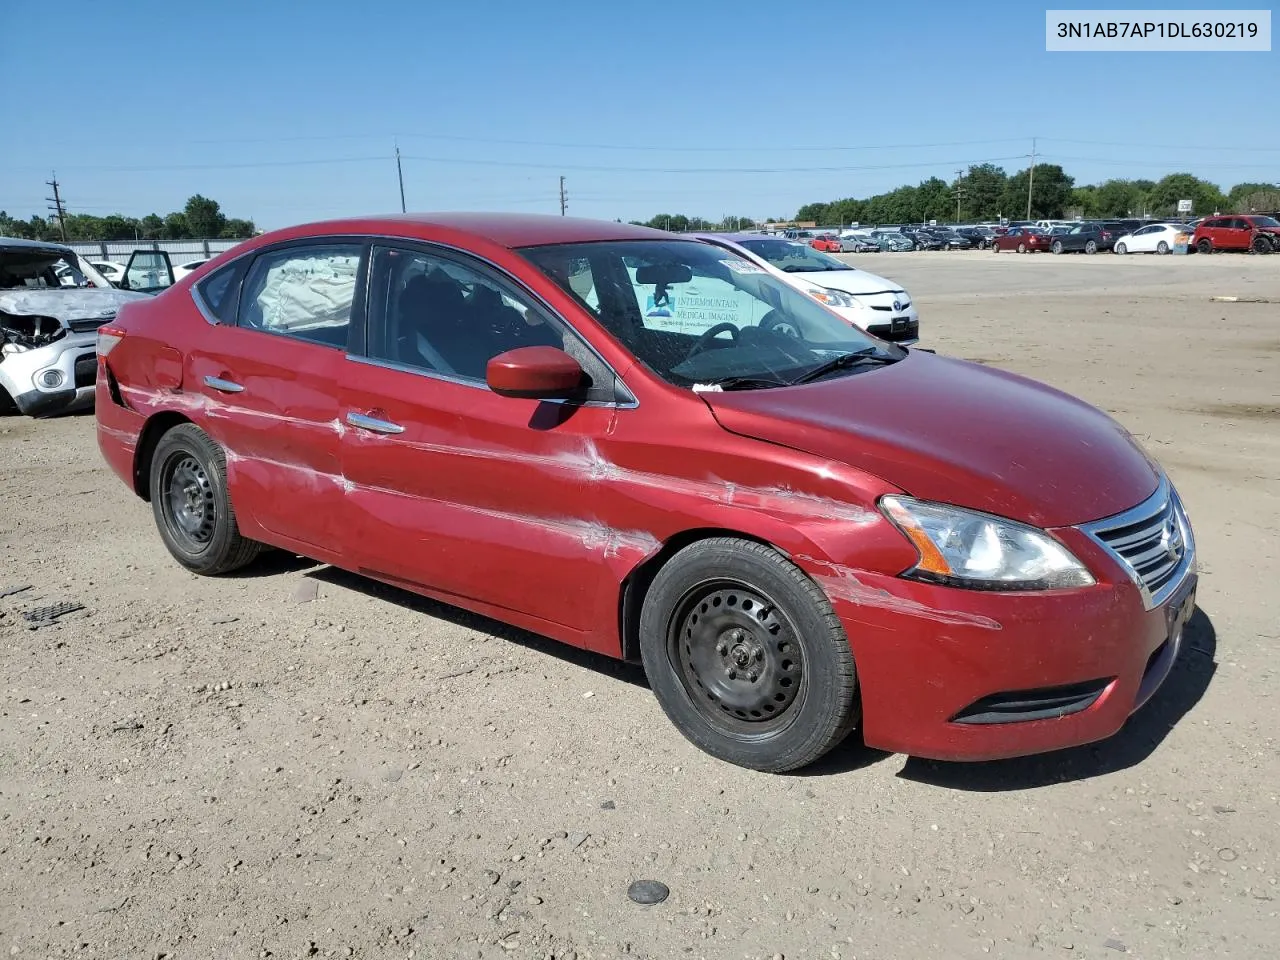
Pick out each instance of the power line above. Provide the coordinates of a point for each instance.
(57, 207)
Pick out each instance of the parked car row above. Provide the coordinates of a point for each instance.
(1253, 233)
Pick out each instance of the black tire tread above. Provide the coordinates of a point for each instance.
(238, 551)
(842, 722)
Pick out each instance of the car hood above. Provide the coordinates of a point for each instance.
(850, 281)
(67, 304)
(956, 432)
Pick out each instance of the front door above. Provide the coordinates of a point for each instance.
(267, 388)
(452, 487)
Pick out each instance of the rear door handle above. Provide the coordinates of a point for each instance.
(373, 424)
(226, 386)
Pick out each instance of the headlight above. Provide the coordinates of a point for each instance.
(964, 548)
(832, 298)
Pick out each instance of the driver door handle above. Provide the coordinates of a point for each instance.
(226, 386)
(373, 424)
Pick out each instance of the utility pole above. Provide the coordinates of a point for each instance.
(1031, 176)
(959, 193)
(400, 177)
(58, 209)
(564, 197)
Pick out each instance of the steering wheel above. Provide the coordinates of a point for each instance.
(776, 322)
(711, 333)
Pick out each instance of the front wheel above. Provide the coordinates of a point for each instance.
(1121, 249)
(1162, 248)
(1057, 246)
(746, 656)
(1260, 245)
(189, 499)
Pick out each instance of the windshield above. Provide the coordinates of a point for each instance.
(700, 316)
(1266, 221)
(794, 257)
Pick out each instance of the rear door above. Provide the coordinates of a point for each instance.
(266, 382)
(452, 487)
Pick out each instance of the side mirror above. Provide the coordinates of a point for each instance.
(537, 373)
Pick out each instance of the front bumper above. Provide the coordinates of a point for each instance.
(71, 365)
(901, 326)
(954, 674)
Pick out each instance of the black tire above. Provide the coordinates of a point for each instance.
(7, 406)
(1260, 245)
(193, 512)
(1162, 248)
(1205, 245)
(1091, 247)
(746, 656)
(1057, 246)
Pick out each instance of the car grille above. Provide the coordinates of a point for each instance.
(86, 370)
(1153, 542)
(1047, 703)
(87, 324)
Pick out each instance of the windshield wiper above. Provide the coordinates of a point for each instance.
(741, 383)
(843, 362)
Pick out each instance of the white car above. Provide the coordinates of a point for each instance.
(872, 303)
(112, 271)
(1153, 238)
(182, 269)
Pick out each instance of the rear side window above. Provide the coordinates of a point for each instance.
(220, 290)
(304, 292)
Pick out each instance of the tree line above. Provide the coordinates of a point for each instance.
(986, 192)
(200, 219)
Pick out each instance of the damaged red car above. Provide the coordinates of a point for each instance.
(648, 447)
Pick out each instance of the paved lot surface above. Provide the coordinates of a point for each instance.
(295, 762)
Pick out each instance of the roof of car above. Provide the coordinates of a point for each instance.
(18, 243)
(505, 229)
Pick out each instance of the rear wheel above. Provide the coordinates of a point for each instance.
(1205, 245)
(1162, 248)
(193, 512)
(995, 248)
(746, 656)
(1121, 249)
(1091, 246)
(1022, 248)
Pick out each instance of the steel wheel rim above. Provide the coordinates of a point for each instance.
(190, 509)
(738, 657)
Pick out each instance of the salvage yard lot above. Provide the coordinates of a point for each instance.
(297, 761)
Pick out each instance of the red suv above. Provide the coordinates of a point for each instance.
(1254, 233)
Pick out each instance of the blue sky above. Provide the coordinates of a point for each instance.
(286, 112)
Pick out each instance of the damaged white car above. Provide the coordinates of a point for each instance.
(48, 331)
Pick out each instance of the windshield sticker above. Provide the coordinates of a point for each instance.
(707, 388)
(742, 266)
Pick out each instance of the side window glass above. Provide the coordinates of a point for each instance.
(437, 315)
(303, 292)
(220, 291)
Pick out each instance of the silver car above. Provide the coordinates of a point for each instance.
(49, 326)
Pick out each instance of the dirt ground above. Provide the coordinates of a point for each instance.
(295, 762)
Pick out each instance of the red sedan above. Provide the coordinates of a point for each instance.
(649, 447)
(1022, 239)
